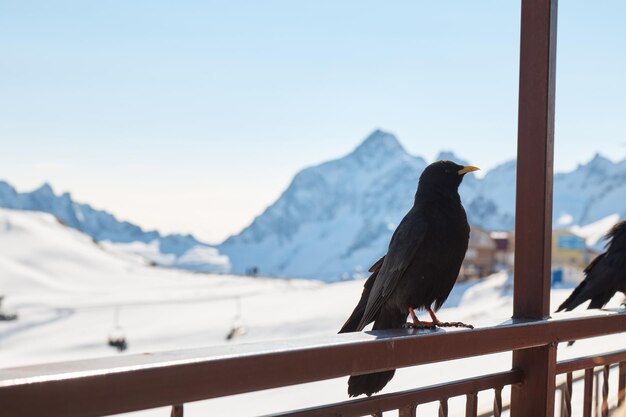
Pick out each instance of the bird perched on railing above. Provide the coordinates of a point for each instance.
(605, 275)
(420, 267)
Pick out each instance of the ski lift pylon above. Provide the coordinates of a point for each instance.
(237, 328)
(117, 338)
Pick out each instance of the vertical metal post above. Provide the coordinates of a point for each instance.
(408, 411)
(605, 390)
(566, 404)
(596, 404)
(533, 215)
(443, 407)
(471, 404)
(588, 393)
(621, 386)
(177, 410)
(497, 402)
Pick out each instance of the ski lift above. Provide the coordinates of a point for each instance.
(117, 338)
(6, 315)
(238, 328)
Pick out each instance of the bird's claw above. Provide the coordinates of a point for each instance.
(434, 325)
(454, 324)
(420, 325)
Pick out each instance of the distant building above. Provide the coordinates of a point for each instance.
(569, 250)
(480, 258)
(492, 251)
(505, 249)
(570, 256)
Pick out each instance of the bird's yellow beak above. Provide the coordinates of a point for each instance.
(467, 169)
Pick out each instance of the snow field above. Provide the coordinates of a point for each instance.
(66, 290)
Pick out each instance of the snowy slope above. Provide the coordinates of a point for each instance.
(66, 290)
(180, 251)
(335, 219)
(56, 276)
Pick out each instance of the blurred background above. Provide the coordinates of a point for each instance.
(181, 174)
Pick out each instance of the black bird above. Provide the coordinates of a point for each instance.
(605, 275)
(420, 267)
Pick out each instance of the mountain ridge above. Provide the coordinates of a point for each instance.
(174, 250)
(337, 217)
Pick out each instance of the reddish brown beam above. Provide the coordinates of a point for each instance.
(586, 362)
(388, 402)
(533, 212)
(588, 393)
(605, 390)
(134, 382)
(535, 148)
(539, 368)
(408, 411)
(486, 338)
(471, 404)
(621, 386)
(497, 402)
(566, 405)
(177, 410)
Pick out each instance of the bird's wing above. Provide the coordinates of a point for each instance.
(353, 321)
(617, 258)
(593, 263)
(357, 314)
(377, 265)
(404, 243)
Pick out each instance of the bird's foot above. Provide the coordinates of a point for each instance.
(439, 323)
(417, 323)
(420, 325)
(453, 324)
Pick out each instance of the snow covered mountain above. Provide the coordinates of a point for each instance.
(592, 192)
(179, 251)
(335, 219)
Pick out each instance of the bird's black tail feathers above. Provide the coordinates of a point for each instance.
(368, 384)
(352, 324)
(371, 383)
(573, 300)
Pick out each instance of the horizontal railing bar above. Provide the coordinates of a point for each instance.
(397, 400)
(591, 361)
(134, 382)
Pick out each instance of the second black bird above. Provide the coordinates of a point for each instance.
(421, 264)
(604, 276)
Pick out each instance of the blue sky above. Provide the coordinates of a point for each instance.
(193, 116)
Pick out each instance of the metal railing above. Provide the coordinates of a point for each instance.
(406, 402)
(589, 364)
(114, 385)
